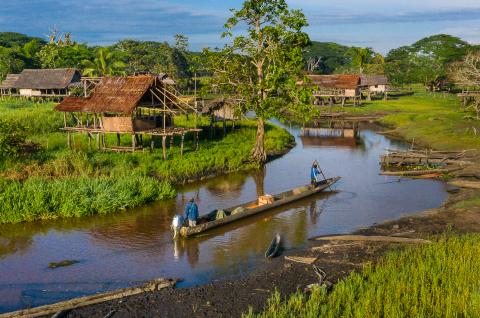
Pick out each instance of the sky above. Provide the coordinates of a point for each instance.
(382, 25)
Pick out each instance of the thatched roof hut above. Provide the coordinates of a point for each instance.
(339, 81)
(373, 80)
(120, 95)
(10, 81)
(47, 79)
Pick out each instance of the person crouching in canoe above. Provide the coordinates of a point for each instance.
(191, 213)
(314, 174)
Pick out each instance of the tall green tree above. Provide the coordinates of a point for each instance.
(104, 64)
(425, 61)
(10, 62)
(261, 66)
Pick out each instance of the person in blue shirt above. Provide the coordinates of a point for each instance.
(191, 213)
(314, 173)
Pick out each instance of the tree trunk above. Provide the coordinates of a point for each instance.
(258, 152)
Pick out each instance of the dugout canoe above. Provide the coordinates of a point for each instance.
(205, 222)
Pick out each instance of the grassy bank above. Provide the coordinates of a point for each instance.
(435, 120)
(436, 280)
(57, 182)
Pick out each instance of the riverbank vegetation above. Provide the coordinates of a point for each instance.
(49, 180)
(434, 280)
(435, 120)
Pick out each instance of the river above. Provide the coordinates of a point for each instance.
(128, 248)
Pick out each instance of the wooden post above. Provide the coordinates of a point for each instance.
(118, 139)
(152, 144)
(98, 141)
(69, 141)
(181, 145)
(197, 137)
(171, 141)
(133, 142)
(65, 120)
(104, 141)
(164, 147)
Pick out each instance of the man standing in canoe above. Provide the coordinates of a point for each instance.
(191, 212)
(314, 173)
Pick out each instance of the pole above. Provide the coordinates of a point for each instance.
(323, 175)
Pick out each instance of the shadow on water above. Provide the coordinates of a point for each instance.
(126, 248)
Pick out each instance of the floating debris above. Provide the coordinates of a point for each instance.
(67, 262)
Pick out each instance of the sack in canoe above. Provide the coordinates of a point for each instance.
(216, 215)
(238, 210)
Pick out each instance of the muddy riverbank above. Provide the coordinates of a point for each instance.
(233, 297)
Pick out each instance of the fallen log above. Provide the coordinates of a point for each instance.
(302, 260)
(63, 306)
(373, 238)
(419, 172)
(465, 184)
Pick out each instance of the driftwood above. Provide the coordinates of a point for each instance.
(90, 300)
(465, 184)
(373, 238)
(422, 157)
(419, 172)
(302, 260)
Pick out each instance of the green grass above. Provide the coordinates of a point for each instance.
(433, 120)
(436, 280)
(58, 182)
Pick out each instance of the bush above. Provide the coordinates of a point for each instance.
(12, 139)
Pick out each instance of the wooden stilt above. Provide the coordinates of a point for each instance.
(134, 136)
(171, 141)
(181, 144)
(69, 140)
(152, 144)
(164, 147)
(104, 141)
(197, 138)
(118, 139)
(98, 141)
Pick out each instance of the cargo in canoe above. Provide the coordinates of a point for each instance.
(219, 218)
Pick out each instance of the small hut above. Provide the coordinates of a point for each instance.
(374, 84)
(335, 88)
(134, 105)
(220, 109)
(8, 85)
(48, 83)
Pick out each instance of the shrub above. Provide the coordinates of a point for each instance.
(12, 139)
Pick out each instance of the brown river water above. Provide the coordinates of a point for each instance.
(129, 248)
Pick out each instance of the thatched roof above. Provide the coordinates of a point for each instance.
(9, 81)
(342, 81)
(112, 94)
(48, 79)
(373, 80)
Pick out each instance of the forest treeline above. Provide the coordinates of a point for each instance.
(426, 61)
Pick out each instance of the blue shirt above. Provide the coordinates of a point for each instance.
(191, 211)
(314, 173)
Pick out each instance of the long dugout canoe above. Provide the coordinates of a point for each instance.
(251, 208)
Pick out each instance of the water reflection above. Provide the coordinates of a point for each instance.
(117, 250)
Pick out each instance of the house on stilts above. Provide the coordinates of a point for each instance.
(41, 83)
(140, 106)
(332, 89)
(374, 85)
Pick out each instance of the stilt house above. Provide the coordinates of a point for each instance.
(140, 106)
(374, 84)
(48, 83)
(335, 88)
(7, 87)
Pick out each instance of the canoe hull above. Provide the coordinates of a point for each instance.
(192, 231)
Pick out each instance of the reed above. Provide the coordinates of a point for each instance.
(436, 280)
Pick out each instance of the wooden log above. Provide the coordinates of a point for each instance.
(465, 184)
(90, 300)
(302, 260)
(373, 238)
(419, 172)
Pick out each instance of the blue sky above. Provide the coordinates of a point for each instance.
(382, 25)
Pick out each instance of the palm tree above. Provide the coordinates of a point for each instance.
(103, 64)
(361, 57)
